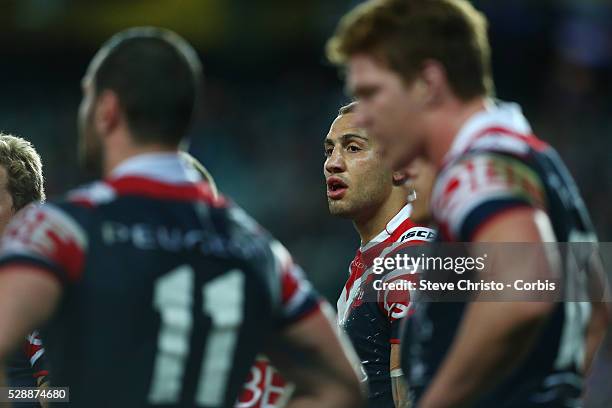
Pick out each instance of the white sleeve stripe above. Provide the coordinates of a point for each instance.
(297, 299)
(36, 356)
(20, 250)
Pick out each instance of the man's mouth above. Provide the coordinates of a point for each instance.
(336, 188)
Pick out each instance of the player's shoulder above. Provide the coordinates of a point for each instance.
(519, 143)
(483, 183)
(485, 173)
(72, 208)
(48, 235)
(417, 234)
(90, 195)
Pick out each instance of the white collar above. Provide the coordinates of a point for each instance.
(167, 167)
(495, 113)
(391, 226)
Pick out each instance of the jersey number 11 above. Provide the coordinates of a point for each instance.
(222, 302)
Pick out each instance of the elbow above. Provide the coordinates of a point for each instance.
(352, 396)
(346, 393)
(349, 394)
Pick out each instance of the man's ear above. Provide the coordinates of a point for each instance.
(432, 82)
(399, 177)
(107, 112)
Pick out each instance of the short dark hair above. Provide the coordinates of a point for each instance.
(156, 75)
(23, 167)
(348, 108)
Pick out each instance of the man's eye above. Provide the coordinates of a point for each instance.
(353, 148)
(328, 151)
(365, 93)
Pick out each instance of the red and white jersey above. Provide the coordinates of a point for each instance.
(483, 174)
(496, 165)
(399, 232)
(371, 315)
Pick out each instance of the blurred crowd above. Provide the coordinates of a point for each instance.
(268, 104)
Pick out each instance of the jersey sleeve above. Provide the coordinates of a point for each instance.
(35, 353)
(394, 300)
(298, 299)
(45, 236)
(395, 297)
(481, 186)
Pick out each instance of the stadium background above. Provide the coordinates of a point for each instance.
(270, 96)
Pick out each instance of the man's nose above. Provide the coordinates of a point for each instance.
(335, 162)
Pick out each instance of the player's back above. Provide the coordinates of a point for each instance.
(164, 289)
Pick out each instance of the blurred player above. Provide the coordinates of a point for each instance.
(152, 288)
(361, 187)
(264, 387)
(421, 176)
(21, 183)
(204, 173)
(421, 70)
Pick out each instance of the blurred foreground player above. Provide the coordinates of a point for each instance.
(363, 188)
(204, 173)
(21, 183)
(421, 70)
(163, 282)
(264, 387)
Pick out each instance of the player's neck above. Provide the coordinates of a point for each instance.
(450, 119)
(370, 226)
(125, 149)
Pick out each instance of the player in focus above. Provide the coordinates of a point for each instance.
(421, 71)
(362, 188)
(166, 283)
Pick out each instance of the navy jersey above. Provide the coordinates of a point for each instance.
(166, 291)
(496, 165)
(371, 315)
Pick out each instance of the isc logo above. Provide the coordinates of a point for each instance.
(418, 234)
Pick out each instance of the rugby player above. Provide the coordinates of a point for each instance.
(421, 71)
(21, 183)
(363, 188)
(264, 387)
(164, 282)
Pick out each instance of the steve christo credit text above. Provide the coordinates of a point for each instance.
(459, 265)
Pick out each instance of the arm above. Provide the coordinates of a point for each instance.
(401, 393)
(601, 310)
(596, 331)
(483, 354)
(311, 355)
(28, 296)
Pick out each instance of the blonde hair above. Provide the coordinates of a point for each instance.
(24, 170)
(403, 34)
